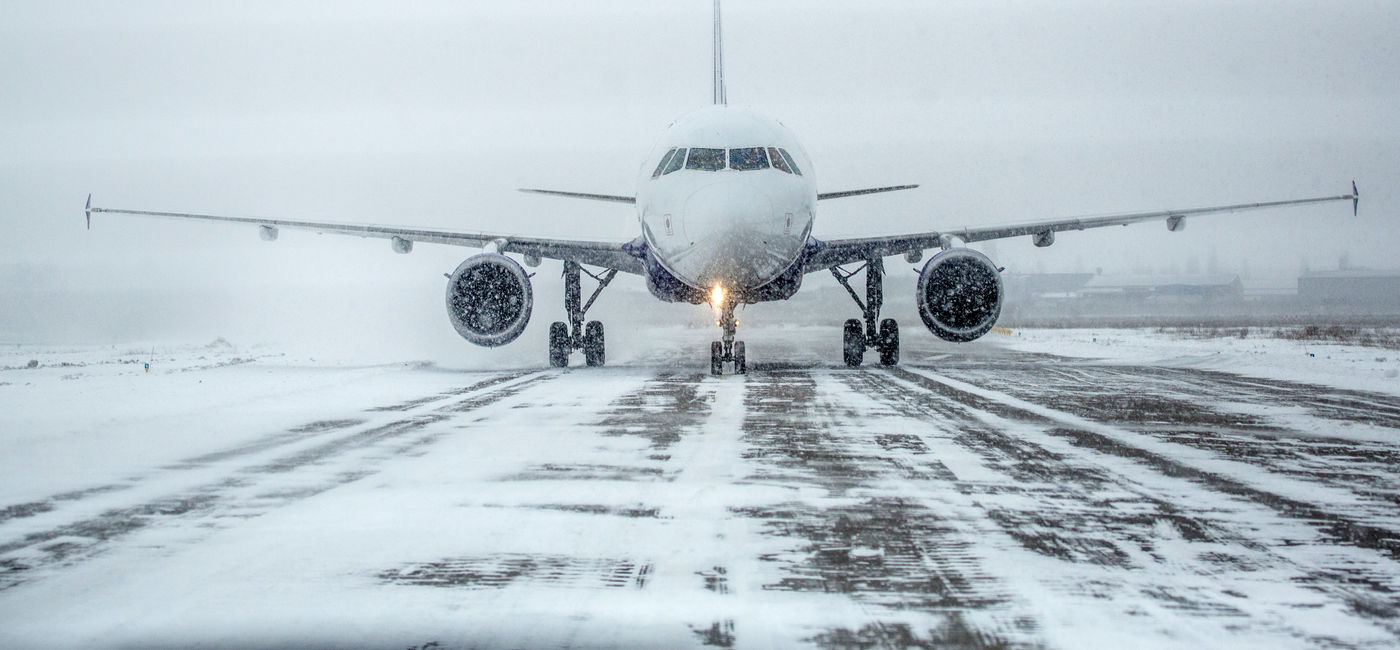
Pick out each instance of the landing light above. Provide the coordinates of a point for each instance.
(717, 296)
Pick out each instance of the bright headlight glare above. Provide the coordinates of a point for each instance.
(717, 295)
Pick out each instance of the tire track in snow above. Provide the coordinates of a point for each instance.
(290, 437)
(703, 469)
(662, 411)
(871, 538)
(250, 490)
(1162, 457)
(1325, 402)
(1229, 417)
(32, 508)
(597, 505)
(1087, 513)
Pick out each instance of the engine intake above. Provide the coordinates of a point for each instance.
(959, 295)
(489, 299)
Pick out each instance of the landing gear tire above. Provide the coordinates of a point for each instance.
(716, 358)
(854, 342)
(593, 343)
(559, 345)
(740, 363)
(889, 342)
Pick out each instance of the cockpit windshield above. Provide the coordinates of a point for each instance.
(675, 161)
(705, 159)
(792, 165)
(664, 159)
(739, 159)
(748, 158)
(778, 160)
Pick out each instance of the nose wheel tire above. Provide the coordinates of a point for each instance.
(889, 342)
(593, 343)
(718, 358)
(853, 339)
(559, 345)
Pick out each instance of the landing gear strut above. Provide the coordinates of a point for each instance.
(857, 336)
(564, 338)
(727, 349)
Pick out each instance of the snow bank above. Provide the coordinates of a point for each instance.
(1259, 354)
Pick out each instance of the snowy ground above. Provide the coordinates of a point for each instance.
(1261, 352)
(985, 495)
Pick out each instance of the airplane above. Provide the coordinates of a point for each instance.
(725, 205)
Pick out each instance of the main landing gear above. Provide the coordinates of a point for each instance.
(727, 349)
(857, 336)
(564, 338)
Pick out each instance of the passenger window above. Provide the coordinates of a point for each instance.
(705, 159)
(748, 158)
(676, 161)
(778, 160)
(662, 165)
(790, 162)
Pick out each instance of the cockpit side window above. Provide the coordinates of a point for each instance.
(676, 161)
(790, 162)
(705, 159)
(778, 161)
(662, 165)
(748, 158)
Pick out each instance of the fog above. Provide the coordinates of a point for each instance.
(433, 114)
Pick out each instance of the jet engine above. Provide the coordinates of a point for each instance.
(959, 295)
(489, 299)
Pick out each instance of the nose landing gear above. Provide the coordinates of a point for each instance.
(857, 337)
(727, 349)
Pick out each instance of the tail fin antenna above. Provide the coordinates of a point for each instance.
(719, 94)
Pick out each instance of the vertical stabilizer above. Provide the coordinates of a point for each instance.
(720, 99)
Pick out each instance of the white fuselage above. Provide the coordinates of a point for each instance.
(736, 211)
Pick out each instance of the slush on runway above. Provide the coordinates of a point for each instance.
(994, 497)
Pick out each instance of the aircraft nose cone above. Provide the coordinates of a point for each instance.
(734, 236)
(727, 211)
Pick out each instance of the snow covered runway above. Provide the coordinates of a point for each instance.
(976, 496)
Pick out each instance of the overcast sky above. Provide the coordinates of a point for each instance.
(433, 113)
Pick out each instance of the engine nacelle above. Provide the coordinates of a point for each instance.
(489, 299)
(959, 295)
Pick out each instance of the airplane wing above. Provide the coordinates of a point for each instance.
(613, 198)
(872, 190)
(594, 253)
(846, 251)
